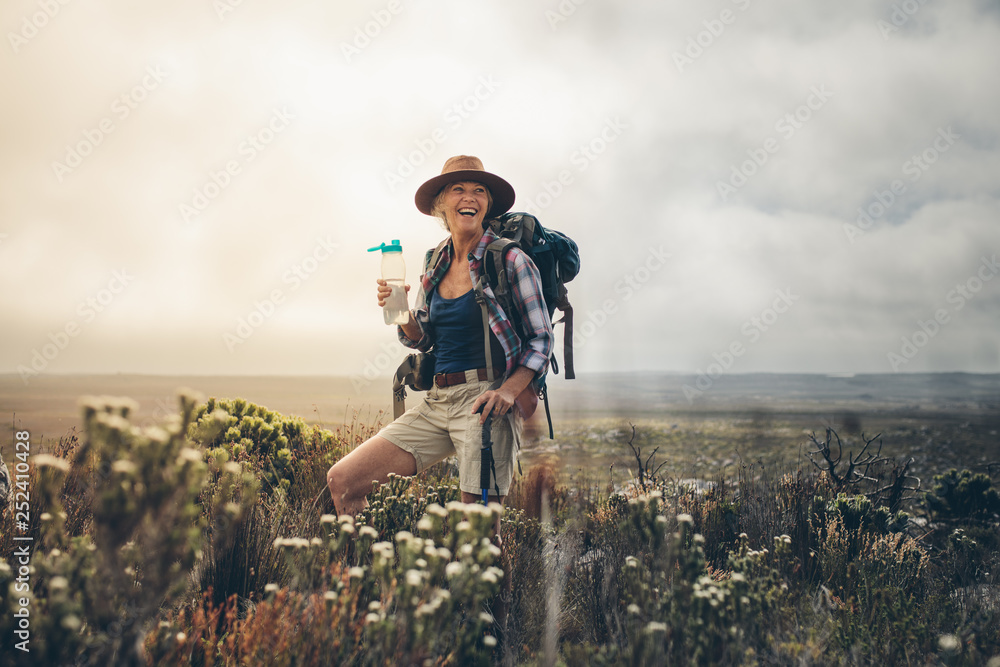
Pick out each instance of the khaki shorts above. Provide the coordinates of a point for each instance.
(443, 425)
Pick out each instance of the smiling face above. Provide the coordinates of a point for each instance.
(463, 205)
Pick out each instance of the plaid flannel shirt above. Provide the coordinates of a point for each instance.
(531, 351)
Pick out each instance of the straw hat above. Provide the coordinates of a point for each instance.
(466, 168)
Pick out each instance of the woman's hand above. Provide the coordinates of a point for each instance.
(499, 401)
(384, 291)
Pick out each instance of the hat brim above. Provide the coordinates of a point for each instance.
(501, 191)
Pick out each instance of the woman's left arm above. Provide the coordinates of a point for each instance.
(537, 337)
(537, 340)
(500, 401)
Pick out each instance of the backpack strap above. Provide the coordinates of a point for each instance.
(481, 300)
(404, 376)
(495, 269)
(564, 305)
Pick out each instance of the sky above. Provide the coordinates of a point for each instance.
(190, 187)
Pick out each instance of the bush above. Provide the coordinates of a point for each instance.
(963, 497)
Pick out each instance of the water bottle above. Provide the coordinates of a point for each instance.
(396, 309)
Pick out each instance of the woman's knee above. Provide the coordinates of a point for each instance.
(337, 481)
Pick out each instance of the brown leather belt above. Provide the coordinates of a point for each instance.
(443, 380)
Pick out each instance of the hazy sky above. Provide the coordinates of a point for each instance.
(191, 186)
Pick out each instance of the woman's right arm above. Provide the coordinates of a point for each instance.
(412, 329)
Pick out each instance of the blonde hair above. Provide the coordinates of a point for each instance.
(438, 211)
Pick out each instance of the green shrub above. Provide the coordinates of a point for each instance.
(95, 595)
(963, 497)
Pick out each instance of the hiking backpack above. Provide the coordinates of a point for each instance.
(558, 260)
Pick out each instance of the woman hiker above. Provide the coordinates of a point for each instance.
(448, 319)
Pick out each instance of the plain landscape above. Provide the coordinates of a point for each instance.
(941, 419)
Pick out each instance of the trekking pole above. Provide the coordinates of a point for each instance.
(486, 455)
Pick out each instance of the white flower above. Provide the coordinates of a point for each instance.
(490, 641)
(634, 609)
(330, 596)
(356, 572)
(327, 518)
(654, 626)
(685, 518)
(948, 643)
(425, 524)
(367, 531)
(738, 576)
(371, 617)
(271, 588)
(47, 460)
(190, 454)
(463, 526)
(413, 578)
(453, 569)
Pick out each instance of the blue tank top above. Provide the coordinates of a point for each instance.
(458, 335)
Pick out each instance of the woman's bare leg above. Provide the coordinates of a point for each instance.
(350, 479)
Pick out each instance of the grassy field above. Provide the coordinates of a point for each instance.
(202, 536)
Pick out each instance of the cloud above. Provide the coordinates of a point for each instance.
(804, 114)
